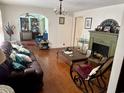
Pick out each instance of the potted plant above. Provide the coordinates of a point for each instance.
(9, 30)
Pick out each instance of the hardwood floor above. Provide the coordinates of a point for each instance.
(56, 72)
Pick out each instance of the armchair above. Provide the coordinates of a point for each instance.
(42, 41)
(40, 38)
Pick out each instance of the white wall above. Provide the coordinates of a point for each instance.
(100, 14)
(1, 29)
(57, 33)
(118, 60)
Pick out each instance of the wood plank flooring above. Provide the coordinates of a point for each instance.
(56, 72)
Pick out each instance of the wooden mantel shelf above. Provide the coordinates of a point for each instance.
(102, 32)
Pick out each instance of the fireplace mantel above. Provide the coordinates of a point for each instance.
(104, 38)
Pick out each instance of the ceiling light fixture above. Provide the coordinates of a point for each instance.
(60, 11)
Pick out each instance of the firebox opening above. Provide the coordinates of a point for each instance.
(99, 48)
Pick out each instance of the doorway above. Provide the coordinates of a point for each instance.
(78, 30)
(32, 25)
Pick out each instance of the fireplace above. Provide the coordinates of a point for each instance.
(103, 43)
(101, 49)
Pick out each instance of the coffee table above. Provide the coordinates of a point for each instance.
(73, 56)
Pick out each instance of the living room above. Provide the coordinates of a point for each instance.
(64, 34)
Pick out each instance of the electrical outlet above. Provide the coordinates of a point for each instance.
(63, 44)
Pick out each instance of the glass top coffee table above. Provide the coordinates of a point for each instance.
(73, 56)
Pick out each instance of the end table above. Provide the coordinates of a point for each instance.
(44, 44)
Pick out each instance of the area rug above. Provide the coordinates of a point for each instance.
(29, 43)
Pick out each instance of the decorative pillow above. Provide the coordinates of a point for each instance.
(27, 59)
(16, 46)
(18, 66)
(24, 51)
(23, 59)
(94, 70)
(21, 49)
(12, 55)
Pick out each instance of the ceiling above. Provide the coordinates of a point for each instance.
(69, 5)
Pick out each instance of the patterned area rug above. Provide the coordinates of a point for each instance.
(29, 43)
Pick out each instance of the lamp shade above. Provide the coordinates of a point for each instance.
(6, 89)
(2, 56)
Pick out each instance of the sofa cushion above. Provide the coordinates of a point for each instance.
(4, 72)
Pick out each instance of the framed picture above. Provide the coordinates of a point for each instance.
(107, 28)
(61, 20)
(88, 22)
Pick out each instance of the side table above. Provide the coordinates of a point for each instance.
(44, 44)
(6, 89)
